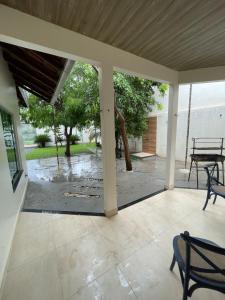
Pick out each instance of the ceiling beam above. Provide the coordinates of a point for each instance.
(202, 75)
(32, 86)
(32, 92)
(29, 77)
(15, 60)
(31, 57)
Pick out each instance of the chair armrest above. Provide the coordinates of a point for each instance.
(217, 181)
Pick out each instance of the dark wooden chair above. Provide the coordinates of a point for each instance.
(214, 186)
(201, 261)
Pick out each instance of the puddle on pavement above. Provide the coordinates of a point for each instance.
(93, 179)
(88, 187)
(79, 195)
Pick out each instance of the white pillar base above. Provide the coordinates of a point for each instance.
(111, 213)
(170, 187)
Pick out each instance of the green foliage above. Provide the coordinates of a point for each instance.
(74, 138)
(39, 114)
(39, 153)
(42, 139)
(135, 99)
(79, 104)
(82, 84)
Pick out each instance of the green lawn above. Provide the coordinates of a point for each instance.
(38, 153)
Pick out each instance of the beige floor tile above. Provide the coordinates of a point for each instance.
(31, 244)
(125, 235)
(91, 292)
(28, 221)
(64, 257)
(115, 285)
(36, 280)
(65, 229)
(149, 276)
(110, 286)
(83, 260)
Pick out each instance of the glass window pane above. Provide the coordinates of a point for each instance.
(10, 143)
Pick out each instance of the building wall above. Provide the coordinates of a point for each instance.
(10, 202)
(207, 116)
(83, 134)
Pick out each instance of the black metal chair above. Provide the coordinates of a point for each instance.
(201, 261)
(214, 186)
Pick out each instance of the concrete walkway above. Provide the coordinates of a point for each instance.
(76, 185)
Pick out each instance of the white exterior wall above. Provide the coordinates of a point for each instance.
(10, 202)
(83, 134)
(207, 116)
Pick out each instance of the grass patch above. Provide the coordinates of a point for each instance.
(38, 153)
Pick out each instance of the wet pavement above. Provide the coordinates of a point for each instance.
(76, 184)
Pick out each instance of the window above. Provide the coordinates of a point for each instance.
(11, 147)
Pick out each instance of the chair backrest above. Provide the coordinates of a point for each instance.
(208, 144)
(212, 171)
(204, 258)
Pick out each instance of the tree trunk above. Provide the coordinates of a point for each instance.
(124, 138)
(117, 142)
(96, 138)
(67, 152)
(68, 135)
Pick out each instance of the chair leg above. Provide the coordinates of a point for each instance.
(185, 292)
(190, 170)
(207, 200)
(173, 263)
(197, 173)
(185, 295)
(223, 171)
(214, 201)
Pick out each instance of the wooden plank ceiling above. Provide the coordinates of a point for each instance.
(35, 72)
(180, 34)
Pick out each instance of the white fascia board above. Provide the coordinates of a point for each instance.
(202, 75)
(65, 73)
(25, 95)
(27, 31)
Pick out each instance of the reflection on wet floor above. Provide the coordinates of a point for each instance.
(76, 185)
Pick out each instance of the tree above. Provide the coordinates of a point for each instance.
(79, 101)
(79, 105)
(134, 99)
(76, 106)
(70, 113)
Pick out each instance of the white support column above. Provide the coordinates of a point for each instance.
(108, 139)
(171, 135)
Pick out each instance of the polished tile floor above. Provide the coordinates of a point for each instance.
(65, 257)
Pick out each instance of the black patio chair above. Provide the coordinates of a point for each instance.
(201, 261)
(214, 186)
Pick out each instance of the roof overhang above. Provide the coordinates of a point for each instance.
(65, 73)
(36, 72)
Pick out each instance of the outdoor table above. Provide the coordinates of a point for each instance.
(205, 157)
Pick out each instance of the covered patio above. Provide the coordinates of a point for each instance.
(125, 254)
(125, 257)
